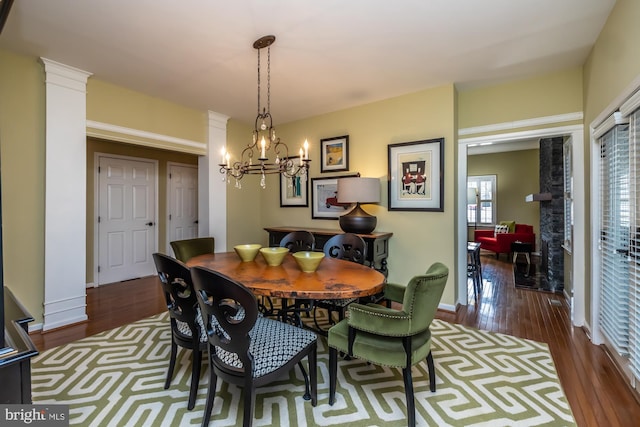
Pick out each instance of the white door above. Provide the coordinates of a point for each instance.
(126, 218)
(183, 202)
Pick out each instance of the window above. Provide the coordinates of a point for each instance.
(481, 203)
(568, 194)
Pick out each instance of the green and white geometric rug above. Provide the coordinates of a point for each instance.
(116, 378)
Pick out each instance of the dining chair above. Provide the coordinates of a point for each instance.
(187, 330)
(298, 241)
(244, 348)
(345, 246)
(189, 248)
(392, 337)
(295, 241)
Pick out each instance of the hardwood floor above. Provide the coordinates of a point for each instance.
(597, 393)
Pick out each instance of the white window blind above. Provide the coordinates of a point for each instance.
(614, 237)
(567, 148)
(634, 267)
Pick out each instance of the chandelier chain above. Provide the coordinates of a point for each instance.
(269, 79)
(259, 82)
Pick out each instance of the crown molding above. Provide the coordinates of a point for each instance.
(519, 124)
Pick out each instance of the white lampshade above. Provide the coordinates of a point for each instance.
(358, 190)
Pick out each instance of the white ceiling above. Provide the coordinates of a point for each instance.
(329, 54)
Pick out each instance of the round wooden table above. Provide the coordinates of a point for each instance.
(334, 278)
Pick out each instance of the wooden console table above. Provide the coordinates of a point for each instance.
(377, 243)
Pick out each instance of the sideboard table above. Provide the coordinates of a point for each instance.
(377, 243)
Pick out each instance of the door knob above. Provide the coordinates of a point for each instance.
(150, 224)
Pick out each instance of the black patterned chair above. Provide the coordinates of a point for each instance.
(244, 348)
(188, 248)
(187, 330)
(295, 241)
(298, 241)
(391, 337)
(345, 246)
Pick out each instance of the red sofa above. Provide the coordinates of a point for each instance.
(501, 242)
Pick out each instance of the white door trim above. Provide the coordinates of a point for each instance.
(96, 205)
(579, 237)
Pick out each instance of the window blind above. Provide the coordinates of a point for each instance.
(634, 245)
(614, 237)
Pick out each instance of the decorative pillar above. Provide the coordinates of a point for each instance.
(212, 190)
(552, 212)
(65, 195)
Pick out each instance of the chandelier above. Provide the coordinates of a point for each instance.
(255, 157)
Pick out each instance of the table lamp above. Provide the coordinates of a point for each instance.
(358, 190)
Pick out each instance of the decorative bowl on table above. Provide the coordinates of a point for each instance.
(274, 255)
(308, 261)
(247, 252)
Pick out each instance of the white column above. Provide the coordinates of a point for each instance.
(65, 195)
(212, 191)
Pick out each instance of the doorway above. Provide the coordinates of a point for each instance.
(127, 227)
(576, 272)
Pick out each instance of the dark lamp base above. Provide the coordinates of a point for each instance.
(358, 221)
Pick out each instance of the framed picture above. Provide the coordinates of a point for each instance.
(334, 154)
(416, 180)
(324, 198)
(293, 191)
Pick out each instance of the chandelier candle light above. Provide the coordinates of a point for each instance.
(265, 141)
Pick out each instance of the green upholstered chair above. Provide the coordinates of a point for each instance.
(390, 337)
(188, 248)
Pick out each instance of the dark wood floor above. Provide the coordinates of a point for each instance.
(597, 393)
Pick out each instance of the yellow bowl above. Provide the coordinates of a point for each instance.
(308, 261)
(274, 256)
(247, 252)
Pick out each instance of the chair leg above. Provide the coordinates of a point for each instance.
(172, 364)
(432, 372)
(313, 374)
(249, 402)
(196, 362)
(408, 389)
(333, 372)
(211, 394)
(307, 392)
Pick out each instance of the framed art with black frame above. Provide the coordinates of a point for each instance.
(324, 198)
(416, 176)
(294, 191)
(334, 154)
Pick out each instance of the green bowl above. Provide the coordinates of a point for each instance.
(274, 256)
(247, 252)
(308, 261)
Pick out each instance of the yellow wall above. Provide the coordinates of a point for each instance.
(22, 163)
(612, 66)
(547, 95)
(115, 105)
(420, 238)
(517, 174)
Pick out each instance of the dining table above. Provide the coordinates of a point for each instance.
(333, 279)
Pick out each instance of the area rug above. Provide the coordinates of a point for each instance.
(116, 378)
